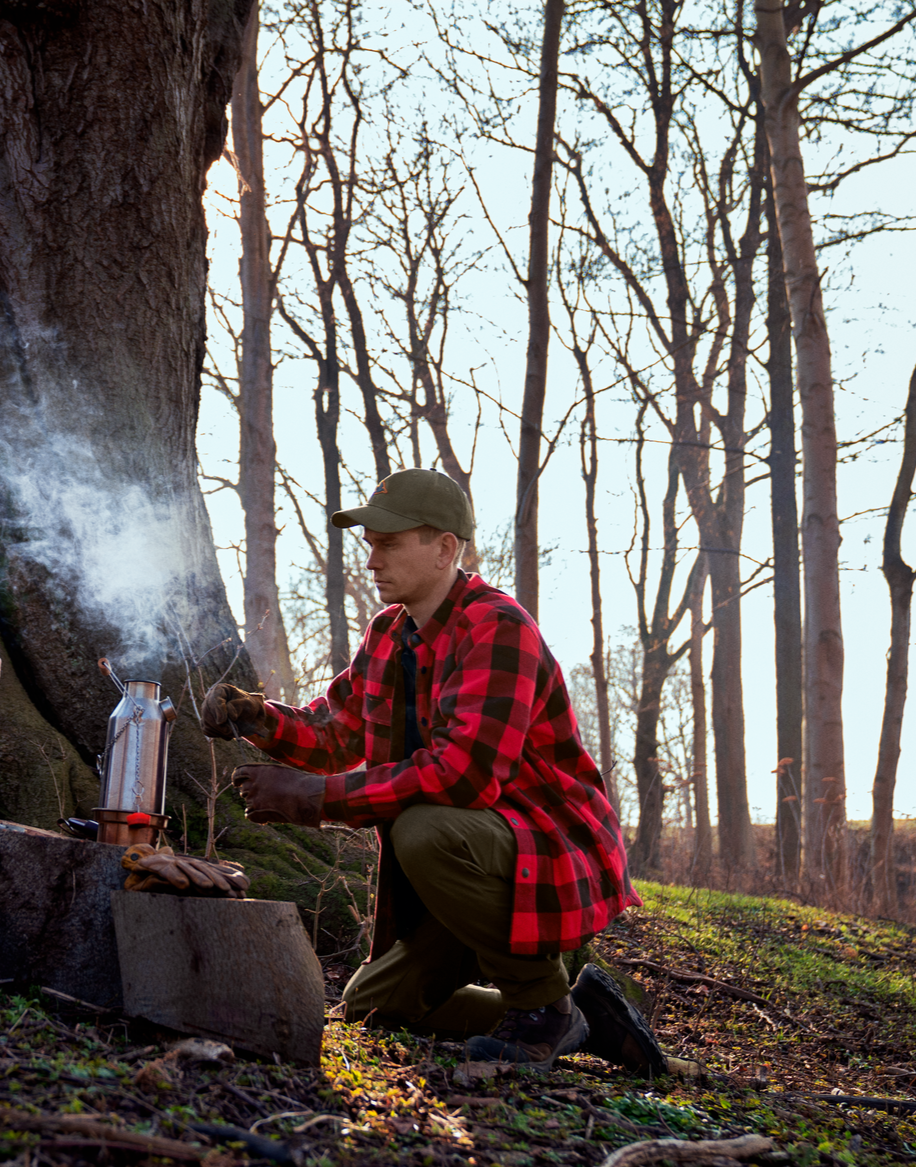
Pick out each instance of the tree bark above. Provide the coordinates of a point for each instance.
(824, 769)
(110, 118)
(267, 644)
(655, 632)
(786, 576)
(702, 851)
(588, 448)
(900, 578)
(526, 512)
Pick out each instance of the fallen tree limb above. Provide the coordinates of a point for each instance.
(888, 1104)
(681, 974)
(98, 1132)
(723, 1151)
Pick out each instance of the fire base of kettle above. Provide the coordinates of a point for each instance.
(123, 828)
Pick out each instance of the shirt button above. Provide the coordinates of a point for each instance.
(514, 822)
(423, 721)
(524, 873)
(423, 668)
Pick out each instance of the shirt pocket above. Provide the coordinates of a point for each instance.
(377, 701)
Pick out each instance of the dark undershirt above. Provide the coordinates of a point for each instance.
(412, 739)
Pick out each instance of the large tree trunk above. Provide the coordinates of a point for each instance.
(786, 577)
(529, 447)
(110, 116)
(825, 779)
(267, 644)
(900, 578)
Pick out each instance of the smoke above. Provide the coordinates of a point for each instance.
(128, 558)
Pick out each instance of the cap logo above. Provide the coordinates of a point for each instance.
(380, 489)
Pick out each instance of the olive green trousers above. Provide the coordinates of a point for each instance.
(461, 863)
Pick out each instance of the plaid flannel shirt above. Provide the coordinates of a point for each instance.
(498, 732)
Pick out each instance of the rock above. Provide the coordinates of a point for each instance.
(237, 971)
(56, 928)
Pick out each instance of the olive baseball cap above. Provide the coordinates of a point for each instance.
(413, 498)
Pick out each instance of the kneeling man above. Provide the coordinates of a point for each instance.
(499, 849)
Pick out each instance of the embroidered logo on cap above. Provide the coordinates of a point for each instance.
(380, 489)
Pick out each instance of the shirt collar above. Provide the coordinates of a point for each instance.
(433, 627)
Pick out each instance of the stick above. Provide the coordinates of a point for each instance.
(680, 1151)
(74, 1124)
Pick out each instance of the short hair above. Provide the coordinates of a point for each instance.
(428, 534)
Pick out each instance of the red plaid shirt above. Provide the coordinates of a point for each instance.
(498, 732)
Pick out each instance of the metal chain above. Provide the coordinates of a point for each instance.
(135, 718)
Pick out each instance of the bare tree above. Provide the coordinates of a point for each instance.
(269, 650)
(825, 781)
(900, 578)
(536, 287)
(701, 331)
(327, 208)
(786, 574)
(702, 851)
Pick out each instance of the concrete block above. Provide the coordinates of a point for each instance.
(240, 971)
(56, 927)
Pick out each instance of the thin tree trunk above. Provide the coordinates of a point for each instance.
(327, 417)
(702, 852)
(267, 644)
(736, 843)
(900, 578)
(786, 576)
(646, 856)
(825, 777)
(588, 448)
(526, 513)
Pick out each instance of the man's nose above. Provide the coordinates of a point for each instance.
(372, 561)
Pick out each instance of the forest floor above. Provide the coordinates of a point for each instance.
(803, 1024)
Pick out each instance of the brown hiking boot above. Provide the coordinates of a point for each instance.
(618, 1032)
(532, 1037)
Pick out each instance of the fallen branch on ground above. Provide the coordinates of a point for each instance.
(99, 1132)
(681, 1151)
(681, 974)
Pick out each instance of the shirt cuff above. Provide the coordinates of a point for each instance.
(335, 798)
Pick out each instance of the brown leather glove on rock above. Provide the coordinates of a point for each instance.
(225, 704)
(163, 870)
(280, 794)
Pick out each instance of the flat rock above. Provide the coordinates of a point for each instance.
(239, 971)
(56, 927)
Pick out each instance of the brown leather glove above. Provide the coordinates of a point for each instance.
(225, 704)
(152, 870)
(280, 794)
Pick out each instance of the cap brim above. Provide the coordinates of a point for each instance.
(375, 518)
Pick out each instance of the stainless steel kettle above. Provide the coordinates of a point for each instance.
(133, 766)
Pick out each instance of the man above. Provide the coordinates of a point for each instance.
(499, 849)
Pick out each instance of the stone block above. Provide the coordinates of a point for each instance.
(56, 927)
(241, 971)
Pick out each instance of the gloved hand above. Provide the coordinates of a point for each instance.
(225, 703)
(152, 870)
(280, 794)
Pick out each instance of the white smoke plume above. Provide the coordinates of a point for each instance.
(126, 557)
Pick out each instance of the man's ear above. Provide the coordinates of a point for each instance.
(448, 549)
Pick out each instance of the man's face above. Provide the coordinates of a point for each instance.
(405, 569)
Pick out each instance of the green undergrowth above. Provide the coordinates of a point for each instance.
(828, 1011)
